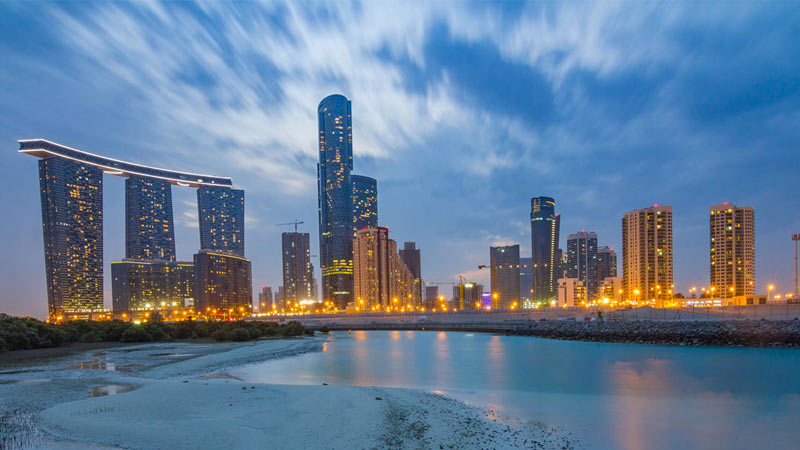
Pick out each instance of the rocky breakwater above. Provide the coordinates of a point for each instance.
(727, 333)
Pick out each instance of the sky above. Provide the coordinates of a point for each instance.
(462, 111)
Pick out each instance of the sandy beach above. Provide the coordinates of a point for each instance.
(180, 395)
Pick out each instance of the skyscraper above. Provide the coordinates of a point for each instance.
(335, 199)
(504, 266)
(411, 257)
(732, 250)
(545, 224)
(298, 272)
(140, 286)
(149, 227)
(265, 299)
(606, 264)
(525, 280)
(72, 222)
(582, 261)
(647, 255)
(365, 202)
(221, 214)
(431, 296)
(381, 278)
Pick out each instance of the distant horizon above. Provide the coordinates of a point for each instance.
(460, 126)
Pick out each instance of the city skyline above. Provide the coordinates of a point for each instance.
(417, 163)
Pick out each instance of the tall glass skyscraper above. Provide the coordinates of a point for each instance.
(149, 226)
(335, 199)
(545, 224)
(221, 214)
(72, 222)
(504, 265)
(365, 202)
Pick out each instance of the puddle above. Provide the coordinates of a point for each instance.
(110, 389)
(38, 380)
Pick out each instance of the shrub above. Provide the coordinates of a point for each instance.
(324, 329)
(136, 333)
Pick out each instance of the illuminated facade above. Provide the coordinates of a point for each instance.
(410, 255)
(335, 199)
(265, 299)
(545, 224)
(582, 261)
(732, 250)
(221, 215)
(504, 265)
(149, 227)
(526, 280)
(647, 268)
(571, 292)
(72, 224)
(371, 272)
(139, 286)
(298, 272)
(365, 202)
(473, 297)
(403, 287)
(223, 284)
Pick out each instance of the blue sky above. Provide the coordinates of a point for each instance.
(462, 111)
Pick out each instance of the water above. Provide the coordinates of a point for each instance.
(608, 395)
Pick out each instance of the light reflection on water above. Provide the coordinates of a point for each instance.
(609, 395)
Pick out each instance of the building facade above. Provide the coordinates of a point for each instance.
(504, 265)
(612, 289)
(72, 224)
(571, 292)
(410, 255)
(298, 272)
(265, 299)
(582, 261)
(371, 272)
(526, 282)
(221, 215)
(223, 286)
(732, 255)
(647, 267)
(142, 286)
(606, 263)
(335, 199)
(545, 224)
(149, 227)
(472, 297)
(365, 202)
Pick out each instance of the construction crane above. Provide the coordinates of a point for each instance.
(460, 285)
(295, 223)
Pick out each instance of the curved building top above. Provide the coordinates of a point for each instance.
(43, 148)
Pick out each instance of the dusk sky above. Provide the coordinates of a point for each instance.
(462, 112)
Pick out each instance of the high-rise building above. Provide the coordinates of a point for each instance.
(142, 286)
(72, 219)
(279, 299)
(365, 202)
(381, 278)
(606, 263)
(221, 214)
(265, 299)
(526, 281)
(582, 261)
(335, 199)
(732, 250)
(223, 287)
(411, 257)
(298, 272)
(149, 227)
(473, 296)
(647, 255)
(545, 224)
(612, 289)
(72, 222)
(504, 266)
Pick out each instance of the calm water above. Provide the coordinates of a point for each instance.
(608, 395)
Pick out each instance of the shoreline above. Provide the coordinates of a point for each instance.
(718, 333)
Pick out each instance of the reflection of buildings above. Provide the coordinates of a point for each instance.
(732, 250)
(647, 255)
(72, 219)
(545, 225)
(504, 265)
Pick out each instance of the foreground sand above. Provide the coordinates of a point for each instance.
(168, 399)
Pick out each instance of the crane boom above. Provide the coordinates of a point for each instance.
(295, 223)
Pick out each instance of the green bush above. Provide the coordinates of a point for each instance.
(136, 333)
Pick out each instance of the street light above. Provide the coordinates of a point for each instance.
(769, 291)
